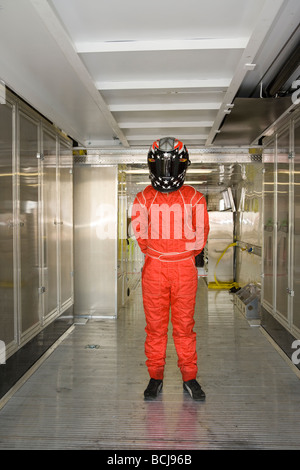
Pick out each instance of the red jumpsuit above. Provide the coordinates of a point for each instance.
(171, 229)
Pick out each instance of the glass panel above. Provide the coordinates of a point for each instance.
(296, 286)
(6, 227)
(268, 234)
(66, 222)
(50, 227)
(282, 225)
(29, 223)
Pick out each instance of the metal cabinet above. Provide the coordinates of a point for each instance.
(28, 224)
(281, 215)
(65, 224)
(36, 223)
(268, 225)
(7, 280)
(49, 226)
(296, 239)
(282, 207)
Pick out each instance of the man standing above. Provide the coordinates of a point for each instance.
(171, 225)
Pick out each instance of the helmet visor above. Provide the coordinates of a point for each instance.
(167, 166)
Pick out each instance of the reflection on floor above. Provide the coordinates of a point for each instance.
(88, 394)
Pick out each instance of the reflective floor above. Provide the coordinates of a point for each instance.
(88, 394)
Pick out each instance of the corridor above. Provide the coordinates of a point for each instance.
(88, 394)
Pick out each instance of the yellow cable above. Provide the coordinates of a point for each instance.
(222, 285)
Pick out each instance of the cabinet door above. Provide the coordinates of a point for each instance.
(49, 239)
(296, 251)
(66, 223)
(282, 248)
(6, 227)
(29, 223)
(268, 234)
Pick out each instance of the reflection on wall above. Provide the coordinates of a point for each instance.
(95, 240)
(248, 196)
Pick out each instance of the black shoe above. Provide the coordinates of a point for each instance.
(194, 389)
(153, 389)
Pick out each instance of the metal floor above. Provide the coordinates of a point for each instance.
(88, 394)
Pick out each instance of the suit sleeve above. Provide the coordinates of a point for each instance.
(201, 224)
(139, 221)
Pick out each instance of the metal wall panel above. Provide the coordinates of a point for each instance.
(249, 209)
(30, 237)
(7, 304)
(281, 309)
(281, 247)
(220, 236)
(29, 279)
(49, 239)
(95, 240)
(282, 225)
(268, 225)
(296, 248)
(122, 243)
(248, 228)
(65, 223)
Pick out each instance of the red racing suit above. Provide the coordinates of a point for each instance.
(171, 229)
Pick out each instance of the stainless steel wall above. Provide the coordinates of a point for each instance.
(281, 209)
(95, 240)
(36, 228)
(220, 237)
(65, 226)
(248, 224)
(296, 239)
(50, 227)
(7, 280)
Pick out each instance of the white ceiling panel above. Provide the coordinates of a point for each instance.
(115, 73)
(162, 65)
(137, 20)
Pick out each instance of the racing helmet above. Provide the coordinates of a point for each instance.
(168, 160)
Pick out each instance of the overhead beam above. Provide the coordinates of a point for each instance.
(164, 84)
(170, 124)
(153, 137)
(162, 45)
(163, 107)
(61, 37)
